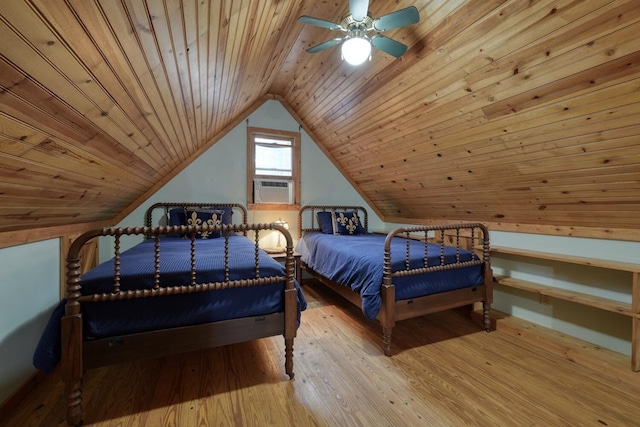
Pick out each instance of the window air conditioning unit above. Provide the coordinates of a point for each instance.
(272, 191)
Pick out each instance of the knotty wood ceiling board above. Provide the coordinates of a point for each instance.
(521, 114)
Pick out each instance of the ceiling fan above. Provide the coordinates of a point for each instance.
(356, 42)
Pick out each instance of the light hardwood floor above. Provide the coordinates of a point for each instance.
(445, 371)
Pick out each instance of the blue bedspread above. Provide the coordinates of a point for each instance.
(357, 261)
(105, 319)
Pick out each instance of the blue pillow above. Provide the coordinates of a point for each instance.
(207, 216)
(348, 223)
(227, 213)
(325, 222)
(176, 217)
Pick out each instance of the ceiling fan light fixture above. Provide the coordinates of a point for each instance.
(356, 50)
(358, 41)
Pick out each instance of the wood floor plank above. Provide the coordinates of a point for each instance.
(445, 370)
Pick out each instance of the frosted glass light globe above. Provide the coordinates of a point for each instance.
(356, 50)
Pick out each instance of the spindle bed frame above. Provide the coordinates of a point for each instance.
(392, 310)
(79, 354)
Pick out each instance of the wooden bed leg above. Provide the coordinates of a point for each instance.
(290, 326)
(72, 366)
(288, 356)
(73, 392)
(488, 296)
(386, 339)
(486, 317)
(387, 314)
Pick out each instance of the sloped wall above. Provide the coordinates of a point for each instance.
(220, 174)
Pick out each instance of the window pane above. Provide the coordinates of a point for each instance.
(267, 141)
(273, 160)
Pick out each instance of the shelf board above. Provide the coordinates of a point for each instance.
(568, 295)
(593, 262)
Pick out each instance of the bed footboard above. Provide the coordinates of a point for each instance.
(453, 236)
(78, 355)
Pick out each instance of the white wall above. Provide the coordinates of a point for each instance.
(30, 281)
(219, 175)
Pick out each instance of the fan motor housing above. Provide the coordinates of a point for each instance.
(351, 24)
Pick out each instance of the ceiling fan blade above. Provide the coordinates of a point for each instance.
(397, 19)
(388, 45)
(324, 45)
(319, 22)
(358, 9)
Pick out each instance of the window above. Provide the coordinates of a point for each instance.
(273, 168)
(273, 156)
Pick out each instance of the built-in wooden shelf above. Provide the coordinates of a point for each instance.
(568, 295)
(593, 262)
(545, 291)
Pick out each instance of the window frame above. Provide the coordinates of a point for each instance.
(294, 137)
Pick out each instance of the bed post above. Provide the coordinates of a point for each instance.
(488, 279)
(388, 295)
(387, 315)
(72, 366)
(290, 307)
(71, 325)
(488, 298)
(290, 325)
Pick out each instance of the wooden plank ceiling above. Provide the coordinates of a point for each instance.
(515, 113)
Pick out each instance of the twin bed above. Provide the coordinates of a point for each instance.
(199, 282)
(409, 272)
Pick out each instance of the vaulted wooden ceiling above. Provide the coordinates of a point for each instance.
(523, 114)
